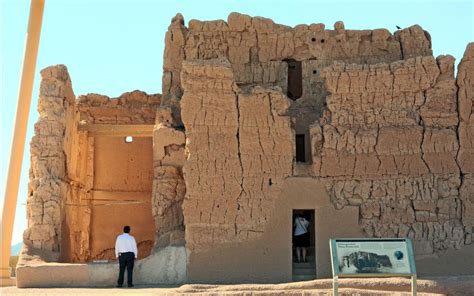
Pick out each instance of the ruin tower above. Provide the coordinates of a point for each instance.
(364, 131)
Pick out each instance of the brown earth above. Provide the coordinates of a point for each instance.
(463, 285)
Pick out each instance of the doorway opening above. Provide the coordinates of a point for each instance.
(303, 245)
(295, 79)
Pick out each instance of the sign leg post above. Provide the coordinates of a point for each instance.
(413, 285)
(335, 286)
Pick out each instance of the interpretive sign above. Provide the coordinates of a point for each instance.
(372, 258)
(381, 257)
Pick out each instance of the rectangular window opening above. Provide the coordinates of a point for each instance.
(300, 148)
(295, 79)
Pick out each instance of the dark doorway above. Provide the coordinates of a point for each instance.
(304, 270)
(295, 79)
(300, 148)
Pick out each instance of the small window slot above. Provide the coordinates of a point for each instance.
(300, 148)
(295, 79)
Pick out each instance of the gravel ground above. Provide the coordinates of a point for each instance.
(462, 285)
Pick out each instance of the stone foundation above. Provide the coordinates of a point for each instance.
(166, 267)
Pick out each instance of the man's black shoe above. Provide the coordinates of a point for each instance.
(119, 286)
(130, 286)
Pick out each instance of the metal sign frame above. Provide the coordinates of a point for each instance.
(338, 274)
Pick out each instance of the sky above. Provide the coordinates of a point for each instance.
(111, 47)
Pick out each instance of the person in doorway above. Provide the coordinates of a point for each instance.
(126, 252)
(301, 237)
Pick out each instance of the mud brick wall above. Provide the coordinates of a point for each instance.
(465, 157)
(239, 149)
(390, 132)
(115, 177)
(168, 183)
(362, 91)
(48, 175)
(388, 144)
(134, 107)
(67, 162)
(258, 49)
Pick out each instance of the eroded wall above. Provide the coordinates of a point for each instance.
(257, 47)
(267, 256)
(81, 177)
(168, 183)
(136, 107)
(259, 52)
(465, 157)
(385, 142)
(389, 146)
(360, 91)
(118, 176)
(389, 137)
(239, 149)
(48, 175)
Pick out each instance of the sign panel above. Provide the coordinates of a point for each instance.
(372, 257)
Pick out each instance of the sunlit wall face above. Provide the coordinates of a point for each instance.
(111, 47)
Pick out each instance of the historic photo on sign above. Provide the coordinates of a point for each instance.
(387, 257)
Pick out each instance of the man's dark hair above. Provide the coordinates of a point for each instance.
(126, 229)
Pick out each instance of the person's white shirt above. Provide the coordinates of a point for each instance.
(301, 226)
(125, 243)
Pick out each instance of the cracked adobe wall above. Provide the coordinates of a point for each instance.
(259, 52)
(465, 82)
(48, 175)
(386, 144)
(379, 112)
(256, 47)
(83, 184)
(118, 176)
(86, 183)
(389, 146)
(239, 149)
(168, 183)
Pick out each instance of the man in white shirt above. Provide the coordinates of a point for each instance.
(126, 252)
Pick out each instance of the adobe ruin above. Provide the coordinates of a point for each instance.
(363, 127)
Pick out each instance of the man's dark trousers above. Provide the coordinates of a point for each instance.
(126, 260)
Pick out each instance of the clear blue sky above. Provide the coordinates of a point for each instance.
(111, 47)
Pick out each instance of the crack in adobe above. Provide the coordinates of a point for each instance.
(239, 154)
(458, 131)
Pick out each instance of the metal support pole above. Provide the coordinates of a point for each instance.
(335, 286)
(19, 135)
(413, 285)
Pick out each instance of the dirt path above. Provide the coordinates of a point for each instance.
(463, 285)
